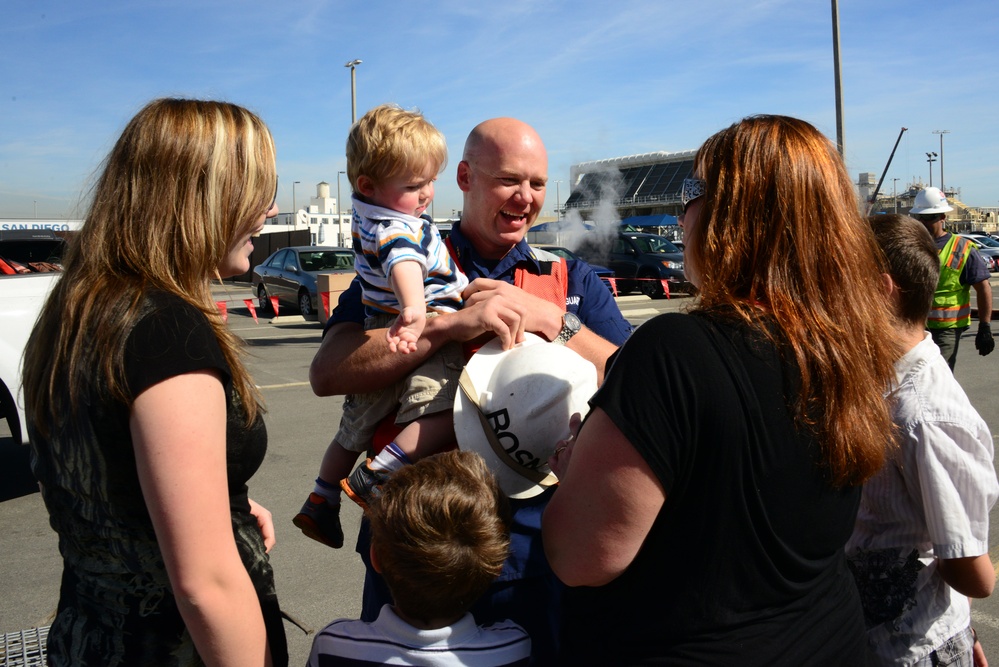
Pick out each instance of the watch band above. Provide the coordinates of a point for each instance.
(571, 324)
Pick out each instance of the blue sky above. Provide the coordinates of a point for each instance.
(641, 76)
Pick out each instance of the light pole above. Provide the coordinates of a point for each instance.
(294, 202)
(931, 158)
(339, 218)
(35, 202)
(941, 133)
(353, 94)
(894, 193)
(558, 202)
(838, 80)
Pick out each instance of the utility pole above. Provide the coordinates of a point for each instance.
(353, 91)
(941, 133)
(931, 158)
(840, 141)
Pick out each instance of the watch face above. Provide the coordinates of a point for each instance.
(571, 321)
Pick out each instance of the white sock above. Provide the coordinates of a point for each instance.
(331, 492)
(391, 459)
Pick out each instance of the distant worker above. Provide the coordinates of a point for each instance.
(961, 268)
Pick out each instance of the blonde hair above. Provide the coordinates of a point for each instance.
(781, 245)
(186, 180)
(388, 141)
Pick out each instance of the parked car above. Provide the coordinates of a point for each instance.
(641, 262)
(987, 247)
(290, 274)
(602, 271)
(30, 265)
(30, 251)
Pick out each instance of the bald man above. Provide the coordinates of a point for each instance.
(503, 176)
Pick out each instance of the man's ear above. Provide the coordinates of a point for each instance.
(464, 176)
(375, 565)
(365, 186)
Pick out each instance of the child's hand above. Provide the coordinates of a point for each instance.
(405, 331)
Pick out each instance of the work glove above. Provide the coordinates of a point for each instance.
(984, 342)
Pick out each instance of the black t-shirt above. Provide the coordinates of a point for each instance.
(115, 602)
(744, 564)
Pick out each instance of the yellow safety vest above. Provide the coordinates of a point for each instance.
(952, 300)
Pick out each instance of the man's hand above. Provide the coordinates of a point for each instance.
(540, 316)
(984, 342)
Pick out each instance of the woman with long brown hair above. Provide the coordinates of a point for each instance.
(714, 484)
(145, 426)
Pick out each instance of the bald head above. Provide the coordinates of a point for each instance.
(498, 135)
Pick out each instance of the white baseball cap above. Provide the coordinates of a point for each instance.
(525, 396)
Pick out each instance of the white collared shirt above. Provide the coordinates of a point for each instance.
(931, 500)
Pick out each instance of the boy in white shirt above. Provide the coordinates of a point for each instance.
(439, 536)
(920, 545)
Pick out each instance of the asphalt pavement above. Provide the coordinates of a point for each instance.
(317, 584)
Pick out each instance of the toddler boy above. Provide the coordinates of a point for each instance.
(405, 270)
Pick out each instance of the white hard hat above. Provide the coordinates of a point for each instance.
(525, 396)
(930, 200)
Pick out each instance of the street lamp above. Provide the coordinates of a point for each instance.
(931, 158)
(941, 133)
(894, 193)
(294, 202)
(558, 202)
(838, 79)
(353, 93)
(35, 202)
(339, 218)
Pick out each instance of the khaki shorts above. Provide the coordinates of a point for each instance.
(427, 390)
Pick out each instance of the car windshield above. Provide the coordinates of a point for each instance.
(654, 244)
(559, 252)
(987, 241)
(326, 260)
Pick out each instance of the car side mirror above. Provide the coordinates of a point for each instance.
(291, 268)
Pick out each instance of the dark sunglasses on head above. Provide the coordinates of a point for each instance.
(692, 189)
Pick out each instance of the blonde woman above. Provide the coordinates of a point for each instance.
(702, 515)
(144, 424)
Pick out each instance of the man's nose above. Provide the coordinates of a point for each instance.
(525, 192)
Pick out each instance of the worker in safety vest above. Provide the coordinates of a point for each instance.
(961, 268)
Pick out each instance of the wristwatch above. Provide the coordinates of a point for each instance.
(570, 327)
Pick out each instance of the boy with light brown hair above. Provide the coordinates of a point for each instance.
(440, 534)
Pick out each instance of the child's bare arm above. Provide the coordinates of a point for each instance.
(974, 576)
(407, 283)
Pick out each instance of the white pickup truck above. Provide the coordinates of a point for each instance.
(33, 258)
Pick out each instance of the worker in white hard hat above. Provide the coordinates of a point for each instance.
(961, 268)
